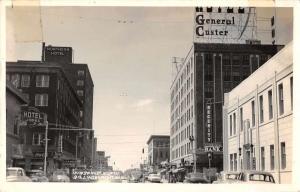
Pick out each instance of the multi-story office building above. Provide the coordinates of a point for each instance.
(158, 150)
(15, 151)
(48, 89)
(258, 120)
(207, 72)
(81, 81)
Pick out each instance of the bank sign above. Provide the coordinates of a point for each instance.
(224, 25)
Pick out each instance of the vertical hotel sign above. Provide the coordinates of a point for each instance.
(224, 25)
(209, 124)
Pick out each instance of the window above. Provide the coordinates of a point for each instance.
(42, 81)
(234, 124)
(26, 96)
(235, 161)
(231, 162)
(15, 80)
(270, 98)
(25, 81)
(272, 158)
(80, 73)
(80, 92)
(7, 77)
(230, 125)
(241, 119)
(253, 113)
(280, 97)
(283, 155)
(41, 100)
(16, 128)
(38, 138)
(291, 87)
(262, 155)
(261, 109)
(80, 82)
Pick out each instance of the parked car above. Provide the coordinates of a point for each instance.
(37, 175)
(227, 178)
(59, 176)
(16, 174)
(196, 178)
(154, 178)
(256, 177)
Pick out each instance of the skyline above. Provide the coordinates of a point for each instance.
(120, 63)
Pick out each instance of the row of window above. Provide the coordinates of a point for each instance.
(181, 151)
(185, 103)
(24, 80)
(233, 159)
(183, 135)
(183, 120)
(281, 109)
(185, 73)
(184, 89)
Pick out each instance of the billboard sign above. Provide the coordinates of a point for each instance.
(224, 25)
(58, 54)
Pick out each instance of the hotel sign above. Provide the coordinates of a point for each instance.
(224, 25)
(32, 116)
(58, 54)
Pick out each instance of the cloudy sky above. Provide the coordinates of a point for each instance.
(128, 51)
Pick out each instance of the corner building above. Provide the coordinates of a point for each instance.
(258, 120)
(207, 72)
(158, 150)
(46, 86)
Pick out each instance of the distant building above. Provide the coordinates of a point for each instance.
(207, 72)
(158, 150)
(47, 88)
(258, 120)
(15, 151)
(101, 161)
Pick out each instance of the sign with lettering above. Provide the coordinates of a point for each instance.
(209, 121)
(32, 116)
(224, 25)
(85, 175)
(58, 54)
(69, 162)
(213, 148)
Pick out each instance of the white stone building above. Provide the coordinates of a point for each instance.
(258, 120)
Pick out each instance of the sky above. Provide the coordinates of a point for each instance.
(128, 51)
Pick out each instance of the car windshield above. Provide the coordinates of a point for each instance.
(10, 172)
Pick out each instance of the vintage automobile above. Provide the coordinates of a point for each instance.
(154, 178)
(227, 178)
(16, 174)
(37, 175)
(196, 178)
(59, 176)
(256, 177)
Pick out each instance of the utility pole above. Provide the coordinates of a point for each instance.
(46, 144)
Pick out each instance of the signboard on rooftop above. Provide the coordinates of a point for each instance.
(224, 24)
(58, 54)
